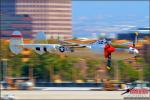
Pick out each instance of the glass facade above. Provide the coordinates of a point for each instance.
(10, 21)
(8, 6)
(31, 16)
(50, 16)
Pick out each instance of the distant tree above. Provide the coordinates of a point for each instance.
(74, 38)
(127, 72)
(15, 64)
(146, 53)
(146, 72)
(92, 65)
(4, 49)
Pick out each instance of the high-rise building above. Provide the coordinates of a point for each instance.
(7, 6)
(10, 22)
(50, 16)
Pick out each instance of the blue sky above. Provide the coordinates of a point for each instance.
(108, 16)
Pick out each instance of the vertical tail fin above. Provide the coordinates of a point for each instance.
(15, 41)
(40, 38)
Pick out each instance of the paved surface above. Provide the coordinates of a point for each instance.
(51, 95)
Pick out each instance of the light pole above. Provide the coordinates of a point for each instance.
(3, 69)
(31, 73)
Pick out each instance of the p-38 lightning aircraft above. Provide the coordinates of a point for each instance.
(103, 46)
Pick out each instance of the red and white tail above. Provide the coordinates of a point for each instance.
(15, 41)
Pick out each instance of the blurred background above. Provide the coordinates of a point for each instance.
(76, 21)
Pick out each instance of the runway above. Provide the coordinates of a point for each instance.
(64, 95)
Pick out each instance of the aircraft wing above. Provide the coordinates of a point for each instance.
(125, 45)
(120, 46)
(79, 45)
(76, 44)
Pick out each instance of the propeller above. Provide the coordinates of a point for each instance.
(135, 39)
(108, 49)
(133, 49)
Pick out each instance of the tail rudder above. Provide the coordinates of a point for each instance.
(40, 38)
(15, 41)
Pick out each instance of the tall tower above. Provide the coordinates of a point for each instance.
(50, 16)
(8, 6)
(10, 21)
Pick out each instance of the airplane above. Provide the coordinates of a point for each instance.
(103, 46)
(16, 44)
